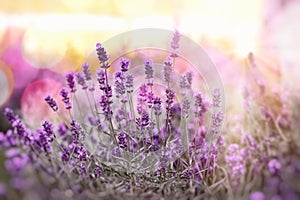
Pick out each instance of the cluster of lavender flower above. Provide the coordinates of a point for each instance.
(264, 163)
(157, 139)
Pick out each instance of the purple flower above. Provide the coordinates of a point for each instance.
(81, 80)
(157, 106)
(133, 145)
(117, 151)
(199, 101)
(102, 56)
(236, 164)
(65, 156)
(12, 153)
(65, 98)
(83, 147)
(129, 83)
(71, 82)
(12, 141)
(164, 158)
(44, 141)
(108, 91)
(101, 78)
(15, 164)
(175, 43)
(185, 81)
(105, 104)
(170, 98)
(105, 100)
(216, 97)
(48, 128)
(149, 68)
(92, 120)
(92, 87)
(168, 70)
(143, 121)
(20, 129)
(124, 63)
(95, 122)
(142, 99)
(188, 174)
(121, 114)
(52, 103)
(76, 131)
(199, 140)
(62, 129)
(120, 86)
(97, 172)
(248, 139)
(274, 166)
(189, 77)
(122, 140)
(86, 71)
(185, 108)
(217, 118)
(81, 153)
(10, 115)
(150, 99)
(257, 196)
(82, 168)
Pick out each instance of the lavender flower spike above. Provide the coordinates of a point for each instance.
(157, 106)
(168, 70)
(71, 82)
(48, 128)
(102, 56)
(10, 115)
(120, 87)
(175, 44)
(216, 97)
(65, 98)
(217, 118)
(148, 68)
(51, 103)
(76, 131)
(97, 172)
(81, 80)
(124, 64)
(185, 108)
(86, 71)
(129, 83)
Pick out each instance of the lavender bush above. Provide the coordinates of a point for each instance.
(119, 139)
(134, 144)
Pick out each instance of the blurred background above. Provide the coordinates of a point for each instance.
(41, 40)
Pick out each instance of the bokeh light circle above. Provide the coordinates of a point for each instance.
(6, 82)
(33, 106)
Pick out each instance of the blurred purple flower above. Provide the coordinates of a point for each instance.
(274, 166)
(257, 196)
(81, 80)
(86, 71)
